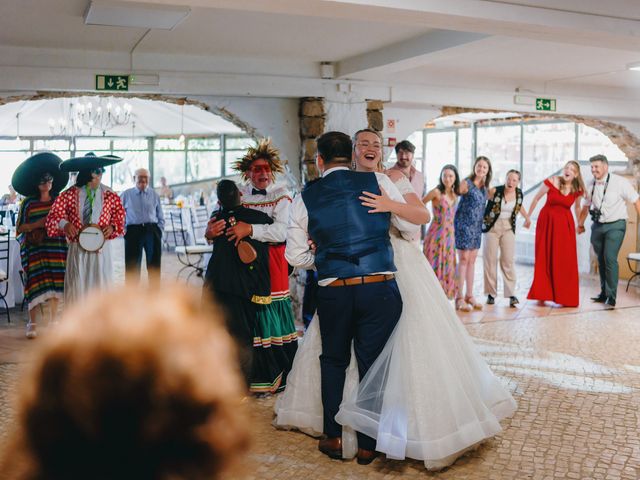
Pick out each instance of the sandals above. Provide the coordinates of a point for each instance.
(472, 303)
(462, 305)
(31, 332)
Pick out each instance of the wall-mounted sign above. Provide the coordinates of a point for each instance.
(391, 142)
(391, 126)
(119, 83)
(546, 104)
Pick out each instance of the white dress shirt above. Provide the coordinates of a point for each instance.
(297, 251)
(619, 191)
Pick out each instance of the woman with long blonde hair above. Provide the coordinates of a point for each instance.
(555, 276)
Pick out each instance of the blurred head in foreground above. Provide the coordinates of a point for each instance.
(132, 385)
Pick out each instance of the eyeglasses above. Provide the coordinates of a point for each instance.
(98, 171)
(261, 168)
(45, 179)
(375, 145)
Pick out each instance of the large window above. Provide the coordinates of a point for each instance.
(12, 153)
(501, 144)
(169, 161)
(235, 148)
(538, 149)
(465, 151)
(135, 154)
(547, 147)
(592, 142)
(441, 150)
(204, 158)
(195, 160)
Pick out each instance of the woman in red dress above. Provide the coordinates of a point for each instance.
(555, 275)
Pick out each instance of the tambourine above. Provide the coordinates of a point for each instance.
(91, 238)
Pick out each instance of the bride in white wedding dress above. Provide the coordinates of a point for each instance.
(429, 396)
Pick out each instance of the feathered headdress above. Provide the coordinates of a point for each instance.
(264, 150)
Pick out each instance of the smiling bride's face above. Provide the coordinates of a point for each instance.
(367, 152)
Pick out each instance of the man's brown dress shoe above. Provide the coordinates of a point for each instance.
(365, 457)
(332, 447)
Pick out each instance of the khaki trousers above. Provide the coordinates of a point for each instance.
(502, 238)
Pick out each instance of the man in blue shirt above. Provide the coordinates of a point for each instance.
(144, 227)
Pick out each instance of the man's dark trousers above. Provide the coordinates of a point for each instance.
(147, 237)
(606, 239)
(309, 298)
(365, 314)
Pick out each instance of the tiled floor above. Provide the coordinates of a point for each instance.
(575, 374)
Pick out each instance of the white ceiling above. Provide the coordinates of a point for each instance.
(425, 51)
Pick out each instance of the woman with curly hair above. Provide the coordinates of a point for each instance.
(106, 397)
(275, 339)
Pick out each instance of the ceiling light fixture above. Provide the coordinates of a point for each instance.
(115, 13)
(182, 138)
(635, 66)
(18, 126)
(84, 118)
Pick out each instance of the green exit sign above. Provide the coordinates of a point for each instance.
(546, 104)
(119, 83)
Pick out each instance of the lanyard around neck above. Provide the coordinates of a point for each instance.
(593, 189)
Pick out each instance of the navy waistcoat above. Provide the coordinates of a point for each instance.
(349, 241)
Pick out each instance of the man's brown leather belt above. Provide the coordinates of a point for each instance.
(345, 282)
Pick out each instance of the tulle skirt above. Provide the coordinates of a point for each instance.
(429, 395)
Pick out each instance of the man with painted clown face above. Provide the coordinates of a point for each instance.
(275, 336)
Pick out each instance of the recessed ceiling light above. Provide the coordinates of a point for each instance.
(132, 14)
(635, 66)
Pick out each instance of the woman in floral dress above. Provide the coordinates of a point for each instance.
(439, 242)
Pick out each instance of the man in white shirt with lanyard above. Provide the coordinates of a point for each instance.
(607, 207)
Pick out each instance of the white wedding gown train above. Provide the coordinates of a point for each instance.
(429, 396)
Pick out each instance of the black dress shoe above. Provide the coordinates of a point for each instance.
(331, 447)
(610, 302)
(602, 298)
(365, 457)
(490, 300)
(513, 301)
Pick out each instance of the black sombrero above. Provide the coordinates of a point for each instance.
(89, 162)
(29, 173)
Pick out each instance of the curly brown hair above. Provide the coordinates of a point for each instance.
(132, 385)
(263, 150)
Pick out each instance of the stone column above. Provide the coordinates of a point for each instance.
(375, 119)
(312, 123)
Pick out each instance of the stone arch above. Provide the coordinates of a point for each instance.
(175, 99)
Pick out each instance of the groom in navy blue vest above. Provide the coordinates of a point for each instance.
(358, 298)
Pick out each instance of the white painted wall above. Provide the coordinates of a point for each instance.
(408, 120)
(270, 117)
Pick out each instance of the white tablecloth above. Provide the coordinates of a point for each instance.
(15, 292)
